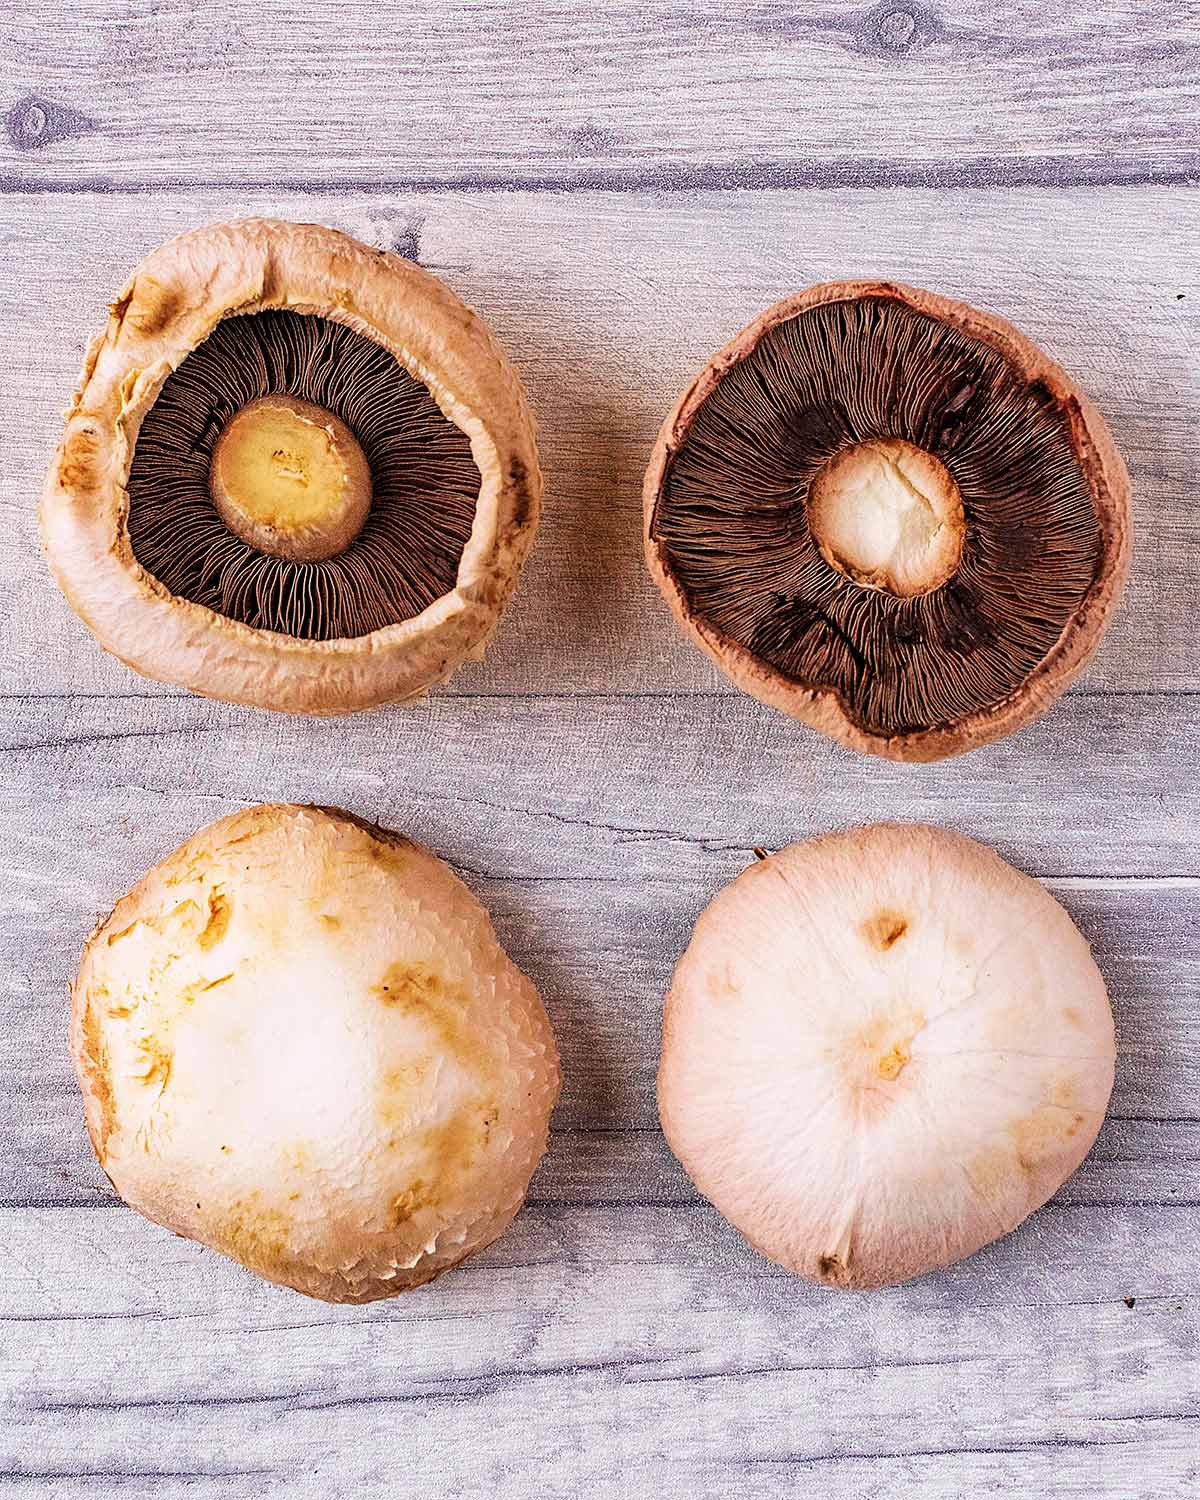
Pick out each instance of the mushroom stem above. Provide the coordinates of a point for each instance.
(888, 515)
(290, 479)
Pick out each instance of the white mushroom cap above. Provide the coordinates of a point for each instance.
(300, 1042)
(883, 1049)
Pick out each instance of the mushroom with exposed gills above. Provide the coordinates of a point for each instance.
(298, 473)
(891, 516)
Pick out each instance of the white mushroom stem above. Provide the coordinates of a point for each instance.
(888, 515)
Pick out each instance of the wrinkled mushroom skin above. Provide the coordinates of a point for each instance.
(1044, 547)
(172, 304)
(883, 1049)
(300, 1043)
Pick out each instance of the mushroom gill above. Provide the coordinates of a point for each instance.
(298, 472)
(883, 502)
(424, 481)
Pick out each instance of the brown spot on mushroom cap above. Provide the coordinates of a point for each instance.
(410, 1201)
(419, 991)
(220, 910)
(721, 984)
(892, 1063)
(424, 481)
(880, 1049)
(524, 501)
(150, 306)
(258, 1235)
(885, 929)
(77, 463)
(456, 1142)
(1045, 500)
(991, 1170)
(156, 1070)
(1041, 1132)
(93, 1061)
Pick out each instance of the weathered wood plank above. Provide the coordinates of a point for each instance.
(620, 1339)
(596, 830)
(642, 1353)
(609, 303)
(556, 95)
(603, 961)
(633, 790)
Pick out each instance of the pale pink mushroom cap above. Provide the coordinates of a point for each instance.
(883, 1049)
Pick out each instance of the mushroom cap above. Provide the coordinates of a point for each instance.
(172, 302)
(299, 1042)
(822, 705)
(883, 1049)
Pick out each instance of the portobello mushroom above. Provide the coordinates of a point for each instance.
(891, 516)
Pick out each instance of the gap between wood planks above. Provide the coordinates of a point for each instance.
(447, 695)
(1177, 169)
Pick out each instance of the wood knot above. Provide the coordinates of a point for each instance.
(893, 30)
(896, 30)
(34, 122)
(406, 241)
(591, 140)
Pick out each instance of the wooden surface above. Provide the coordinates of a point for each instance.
(617, 192)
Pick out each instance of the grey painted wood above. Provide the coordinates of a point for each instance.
(661, 1360)
(620, 1311)
(751, 94)
(628, 790)
(595, 780)
(596, 848)
(609, 303)
(602, 953)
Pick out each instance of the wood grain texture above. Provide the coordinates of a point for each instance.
(609, 303)
(664, 94)
(624, 790)
(665, 1360)
(617, 189)
(596, 847)
(621, 1336)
